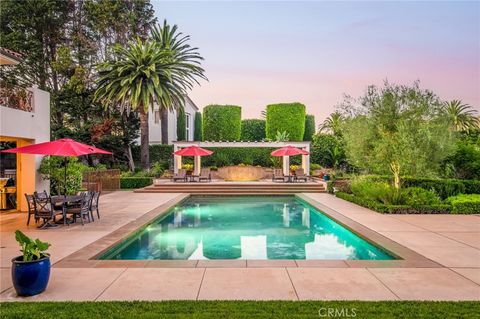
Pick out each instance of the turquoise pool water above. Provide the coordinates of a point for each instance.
(239, 227)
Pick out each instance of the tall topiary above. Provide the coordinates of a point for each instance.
(253, 130)
(286, 117)
(309, 127)
(222, 123)
(197, 133)
(181, 125)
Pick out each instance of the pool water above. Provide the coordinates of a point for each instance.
(240, 227)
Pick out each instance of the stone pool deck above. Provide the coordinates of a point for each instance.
(450, 243)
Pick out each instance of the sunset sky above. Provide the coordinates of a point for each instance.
(257, 53)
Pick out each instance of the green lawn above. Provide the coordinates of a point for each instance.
(241, 309)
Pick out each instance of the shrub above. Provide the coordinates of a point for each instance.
(314, 166)
(158, 153)
(52, 168)
(376, 191)
(135, 182)
(289, 117)
(465, 204)
(394, 209)
(197, 133)
(466, 160)
(253, 130)
(415, 196)
(330, 187)
(309, 127)
(222, 123)
(181, 125)
(328, 151)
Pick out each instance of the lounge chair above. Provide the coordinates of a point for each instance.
(300, 175)
(278, 175)
(180, 176)
(205, 175)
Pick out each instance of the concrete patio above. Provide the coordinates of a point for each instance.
(451, 242)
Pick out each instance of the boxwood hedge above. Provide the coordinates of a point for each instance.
(253, 130)
(197, 133)
(135, 182)
(222, 122)
(465, 204)
(289, 117)
(309, 127)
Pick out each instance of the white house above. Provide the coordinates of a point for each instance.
(24, 120)
(155, 125)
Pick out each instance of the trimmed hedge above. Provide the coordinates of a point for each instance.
(395, 209)
(181, 125)
(289, 117)
(443, 187)
(253, 130)
(197, 133)
(224, 156)
(158, 153)
(309, 127)
(222, 123)
(135, 182)
(465, 204)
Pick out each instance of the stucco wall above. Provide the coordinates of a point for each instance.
(31, 128)
(155, 129)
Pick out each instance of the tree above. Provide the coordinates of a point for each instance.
(197, 133)
(181, 125)
(462, 117)
(309, 127)
(328, 150)
(397, 129)
(138, 77)
(184, 60)
(332, 124)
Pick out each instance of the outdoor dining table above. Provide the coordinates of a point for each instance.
(65, 200)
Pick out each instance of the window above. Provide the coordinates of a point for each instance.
(187, 126)
(157, 116)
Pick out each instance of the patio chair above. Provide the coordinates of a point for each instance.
(94, 204)
(180, 176)
(300, 175)
(205, 175)
(31, 208)
(83, 210)
(44, 209)
(278, 175)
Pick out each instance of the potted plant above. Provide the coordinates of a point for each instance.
(31, 271)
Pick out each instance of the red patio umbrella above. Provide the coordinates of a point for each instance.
(289, 151)
(193, 151)
(61, 147)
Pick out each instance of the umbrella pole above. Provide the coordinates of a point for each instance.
(65, 176)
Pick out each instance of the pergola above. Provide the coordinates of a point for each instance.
(177, 160)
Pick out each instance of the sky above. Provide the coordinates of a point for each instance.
(259, 53)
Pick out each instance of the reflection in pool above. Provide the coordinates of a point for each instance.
(240, 227)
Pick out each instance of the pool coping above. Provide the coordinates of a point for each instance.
(86, 257)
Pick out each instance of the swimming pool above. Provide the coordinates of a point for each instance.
(245, 227)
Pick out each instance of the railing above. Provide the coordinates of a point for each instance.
(16, 97)
(102, 180)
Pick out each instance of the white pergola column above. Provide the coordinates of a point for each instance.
(197, 165)
(306, 161)
(177, 160)
(286, 165)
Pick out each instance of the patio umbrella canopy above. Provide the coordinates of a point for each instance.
(62, 147)
(289, 151)
(193, 151)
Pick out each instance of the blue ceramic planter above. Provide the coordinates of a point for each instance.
(30, 277)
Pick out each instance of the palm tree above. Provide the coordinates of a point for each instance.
(139, 76)
(332, 124)
(187, 63)
(461, 116)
